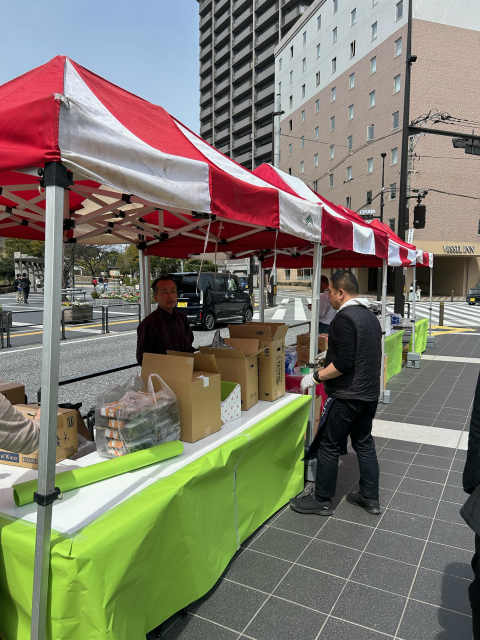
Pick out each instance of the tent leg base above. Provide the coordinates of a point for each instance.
(413, 360)
(386, 397)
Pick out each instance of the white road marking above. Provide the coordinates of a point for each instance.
(299, 310)
(420, 433)
(279, 314)
(459, 359)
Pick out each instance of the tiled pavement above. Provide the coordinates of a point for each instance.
(354, 576)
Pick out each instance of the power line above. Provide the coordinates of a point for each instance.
(448, 193)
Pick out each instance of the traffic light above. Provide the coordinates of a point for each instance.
(419, 216)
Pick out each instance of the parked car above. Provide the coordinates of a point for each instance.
(212, 297)
(473, 295)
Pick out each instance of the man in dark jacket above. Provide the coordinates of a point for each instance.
(167, 327)
(471, 480)
(352, 381)
(26, 287)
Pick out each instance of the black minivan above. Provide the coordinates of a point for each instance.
(212, 297)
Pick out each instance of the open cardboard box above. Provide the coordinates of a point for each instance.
(303, 346)
(13, 391)
(195, 380)
(271, 363)
(239, 364)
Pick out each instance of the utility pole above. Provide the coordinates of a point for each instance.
(382, 201)
(402, 206)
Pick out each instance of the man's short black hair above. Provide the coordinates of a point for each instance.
(324, 280)
(163, 277)
(343, 279)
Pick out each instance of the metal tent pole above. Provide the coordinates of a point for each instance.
(56, 178)
(261, 293)
(143, 291)
(413, 358)
(148, 288)
(430, 338)
(384, 395)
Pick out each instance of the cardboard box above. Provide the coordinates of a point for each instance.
(231, 407)
(271, 363)
(303, 347)
(67, 438)
(195, 380)
(239, 364)
(13, 391)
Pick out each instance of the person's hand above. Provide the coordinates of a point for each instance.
(307, 381)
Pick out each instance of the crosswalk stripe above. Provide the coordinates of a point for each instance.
(309, 301)
(285, 301)
(299, 310)
(279, 314)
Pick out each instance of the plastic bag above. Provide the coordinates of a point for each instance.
(290, 360)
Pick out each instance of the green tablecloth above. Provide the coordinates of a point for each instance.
(393, 351)
(421, 335)
(150, 556)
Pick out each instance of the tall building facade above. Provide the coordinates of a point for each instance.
(340, 73)
(237, 41)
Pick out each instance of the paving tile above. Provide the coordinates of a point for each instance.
(448, 560)
(395, 546)
(352, 513)
(257, 570)
(280, 620)
(390, 466)
(433, 461)
(448, 424)
(420, 488)
(444, 591)
(454, 494)
(389, 481)
(329, 557)
(426, 622)
(282, 544)
(397, 456)
(458, 464)
(403, 445)
(455, 478)
(346, 533)
(389, 575)
(380, 441)
(414, 504)
(400, 522)
(453, 535)
(450, 512)
(307, 525)
(341, 630)
(229, 604)
(311, 588)
(421, 420)
(193, 628)
(370, 607)
(427, 473)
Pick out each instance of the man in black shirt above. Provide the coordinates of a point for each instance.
(167, 327)
(352, 382)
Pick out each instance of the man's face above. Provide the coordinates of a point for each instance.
(336, 297)
(166, 295)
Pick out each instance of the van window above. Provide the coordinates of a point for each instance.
(232, 285)
(220, 283)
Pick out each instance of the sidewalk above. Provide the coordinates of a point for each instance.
(355, 576)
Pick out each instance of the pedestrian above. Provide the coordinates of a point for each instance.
(18, 288)
(326, 312)
(352, 382)
(471, 484)
(25, 287)
(94, 283)
(105, 285)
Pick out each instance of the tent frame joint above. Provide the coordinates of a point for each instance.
(44, 500)
(55, 174)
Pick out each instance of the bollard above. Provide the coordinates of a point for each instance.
(441, 314)
(63, 325)
(107, 330)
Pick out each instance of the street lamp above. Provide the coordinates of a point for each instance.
(382, 200)
(274, 115)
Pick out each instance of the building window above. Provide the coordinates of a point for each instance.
(334, 35)
(369, 197)
(396, 84)
(304, 64)
(391, 224)
(319, 22)
(352, 49)
(279, 87)
(290, 148)
(370, 132)
(372, 98)
(302, 142)
(315, 160)
(315, 185)
(287, 274)
(333, 94)
(395, 155)
(374, 30)
(351, 81)
(349, 174)
(350, 143)
(290, 102)
(395, 119)
(348, 202)
(373, 64)
(304, 38)
(318, 50)
(369, 165)
(351, 111)
(399, 10)
(335, 6)
(280, 64)
(334, 65)
(304, 274)
(332, 151)
(332, 123)
(393, 191)
(290, 171)
(317, 106)
(290, 125)
(302, 166)
(353, 17)
(398, 47)
(316, 132)
(291, 77)
(291, 51)
(303, 90)
(330, 180)
(317, 78)
(302, 115)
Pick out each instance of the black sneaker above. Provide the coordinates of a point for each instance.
(372, 506)
(309, 504)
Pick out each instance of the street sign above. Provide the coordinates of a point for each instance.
(410, 236)
(367, 212)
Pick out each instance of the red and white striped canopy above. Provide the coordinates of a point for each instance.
(400, 253)
(424, 259)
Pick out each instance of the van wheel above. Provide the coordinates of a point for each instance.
(209, 321)
(248, 315)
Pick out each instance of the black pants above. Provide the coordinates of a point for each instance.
(347, 418)
(474, 590)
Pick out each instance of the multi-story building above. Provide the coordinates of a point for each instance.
(340, 74)
(237, 40)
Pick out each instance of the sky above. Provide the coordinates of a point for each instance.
(149, 47)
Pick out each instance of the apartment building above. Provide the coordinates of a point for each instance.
(340, 75)
(237, 40)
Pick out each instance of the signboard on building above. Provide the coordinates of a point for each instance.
(459, 249)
